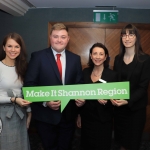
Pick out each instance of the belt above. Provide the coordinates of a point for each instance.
(13, 108)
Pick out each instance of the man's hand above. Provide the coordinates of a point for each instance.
(54, 104)
(80, 102)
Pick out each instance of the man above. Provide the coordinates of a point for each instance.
(55, 128)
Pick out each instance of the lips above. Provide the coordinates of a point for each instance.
(12, 54)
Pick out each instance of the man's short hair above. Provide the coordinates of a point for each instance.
(58, 26)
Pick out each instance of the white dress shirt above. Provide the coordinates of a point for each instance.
(63, 64)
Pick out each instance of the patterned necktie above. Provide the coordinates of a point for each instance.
(59, 64)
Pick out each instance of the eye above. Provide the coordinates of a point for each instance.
(63, 37)
(55, 36)
(131, 35)
(94, 53)
(123, 35)
(17, 46)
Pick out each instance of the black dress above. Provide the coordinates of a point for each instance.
(130, 119)
(97, 119)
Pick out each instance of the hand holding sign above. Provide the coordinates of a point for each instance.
(80, 102)
(64, 93)
(54, 104)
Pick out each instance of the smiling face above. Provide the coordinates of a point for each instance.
(98, 56)
(12, 49)
(128, 39)
(59, 40)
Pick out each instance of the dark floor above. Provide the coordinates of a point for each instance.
(36, 144)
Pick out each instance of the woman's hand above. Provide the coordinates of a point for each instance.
(54, 104)
(80, 102)
(120, 102)
(79, 121)
(101, 101)
(22, 102)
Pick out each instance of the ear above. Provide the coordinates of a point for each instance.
(106, 57)
(91, 56)
(3, 48)
(68, 38)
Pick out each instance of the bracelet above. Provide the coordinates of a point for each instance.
(11, 99)
(15, 100)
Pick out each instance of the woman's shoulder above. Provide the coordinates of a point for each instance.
(87, 71)
(144, 57)
(108, 70)
(117, 57)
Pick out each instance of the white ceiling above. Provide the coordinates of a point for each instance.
(20, 7)
(140, 4)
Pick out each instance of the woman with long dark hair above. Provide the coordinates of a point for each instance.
(13, 108)
(97, 115)
(132, 65)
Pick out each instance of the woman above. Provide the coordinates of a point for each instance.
(132, 65)
(13, 120)
(96, 116)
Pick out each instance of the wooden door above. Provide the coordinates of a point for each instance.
(84, 34)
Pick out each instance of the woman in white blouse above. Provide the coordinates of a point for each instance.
(14, 120)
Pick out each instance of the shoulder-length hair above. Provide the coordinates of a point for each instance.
(100, 45)
(132, 30)
(21, 60)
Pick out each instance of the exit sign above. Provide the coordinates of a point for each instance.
(105, 16)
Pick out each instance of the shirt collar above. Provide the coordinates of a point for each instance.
(54, 52)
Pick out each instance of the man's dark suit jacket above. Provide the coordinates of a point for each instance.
(43, 71)
(139, 80)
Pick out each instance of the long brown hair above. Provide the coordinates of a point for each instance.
(21, 60)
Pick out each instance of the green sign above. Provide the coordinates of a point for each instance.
(105, 16)
(115, 90)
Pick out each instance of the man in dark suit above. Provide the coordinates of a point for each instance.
(55, 128)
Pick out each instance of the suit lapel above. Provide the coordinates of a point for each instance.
(134, 64)
(52, 61)
(68, 66)
(120, 64)
(104, 75)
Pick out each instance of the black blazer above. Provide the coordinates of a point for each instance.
(43, 71)
(138, 78)
(93, 110)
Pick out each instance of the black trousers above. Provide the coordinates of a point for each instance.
(56, 137)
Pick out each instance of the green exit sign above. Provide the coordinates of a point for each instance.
(105, 16)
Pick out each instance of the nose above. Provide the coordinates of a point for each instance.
(59, 39)
(127, 37)
(13, 49)
(97, 56)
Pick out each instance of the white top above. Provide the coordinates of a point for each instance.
(9, 81)
(63, 64)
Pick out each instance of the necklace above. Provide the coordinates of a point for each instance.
(4, 62)
(97, 75)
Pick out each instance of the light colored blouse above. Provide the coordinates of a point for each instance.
(9, 82)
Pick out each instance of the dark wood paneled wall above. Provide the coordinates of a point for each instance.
(84, 34)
